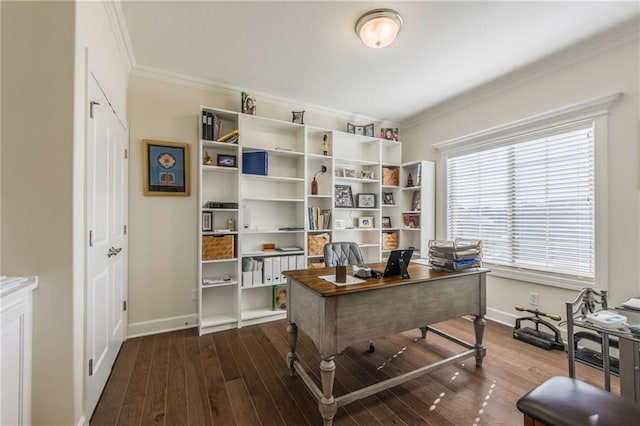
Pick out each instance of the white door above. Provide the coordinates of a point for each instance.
(107, 253)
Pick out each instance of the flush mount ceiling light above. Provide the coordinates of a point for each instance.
(378, 28)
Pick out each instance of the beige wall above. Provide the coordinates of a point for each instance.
(596, 74)
(42, 198)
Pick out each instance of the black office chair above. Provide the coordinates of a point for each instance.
(342, 253)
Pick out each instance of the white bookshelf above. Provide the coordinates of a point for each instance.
(274, 208)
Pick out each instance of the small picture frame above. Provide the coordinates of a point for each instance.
(337, 172)
(348, 172)
(366, 200)
(226, 160)
(389, 133)
(386, 221)
(344, 196)
(207, 221)
(339, 224)
(411, 220)
(351, 128)
(366, 174)
(415, 202)
(387, 199)
(365, 222)
(248, 103)
(368, 130)
(297, 117)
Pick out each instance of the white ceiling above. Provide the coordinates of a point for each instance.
(307, 52)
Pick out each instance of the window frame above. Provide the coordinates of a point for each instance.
(596, 110)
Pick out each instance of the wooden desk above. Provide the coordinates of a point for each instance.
(335, 317)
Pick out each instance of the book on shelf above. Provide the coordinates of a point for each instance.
(226, 137)
(318, 218)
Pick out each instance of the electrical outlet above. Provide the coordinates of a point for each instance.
(533, 299)
(194, 294)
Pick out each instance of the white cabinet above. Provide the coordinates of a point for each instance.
(15, 353)
(268, 187)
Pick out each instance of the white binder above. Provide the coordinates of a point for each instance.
(293, 264)
(267, 277)
(284, 266)
(300, 262)
(277, 276)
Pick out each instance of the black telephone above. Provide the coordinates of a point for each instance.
(365, 272)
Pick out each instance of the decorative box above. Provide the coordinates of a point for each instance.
(390, 176)
(217, 247)
(389, 240)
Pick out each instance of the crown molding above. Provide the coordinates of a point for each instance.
(120, 31)
(227, 89)
(623, 34)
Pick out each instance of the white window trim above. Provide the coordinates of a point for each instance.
(596, 109)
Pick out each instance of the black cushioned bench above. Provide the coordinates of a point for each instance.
(563, 401)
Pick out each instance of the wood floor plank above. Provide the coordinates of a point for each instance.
(133, 402)
(177, 412)
(108, 409)
(240, 377)
(219, 403)
(197, 400)
(243, 408)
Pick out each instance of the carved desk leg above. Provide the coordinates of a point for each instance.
(481, 351)
(327, 404)
(292, 356)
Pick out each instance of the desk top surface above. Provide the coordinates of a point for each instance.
(418, 273)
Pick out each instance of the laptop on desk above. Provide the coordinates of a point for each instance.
(398, 262)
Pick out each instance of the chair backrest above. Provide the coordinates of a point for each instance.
(342, 253)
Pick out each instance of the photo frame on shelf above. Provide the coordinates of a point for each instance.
(337, 172)
(387, 199)
(349, 172)
(279, 298)
(386, 221)
(339, 224)
(207, 221)
(415, 202)
(166, 168)
(389, 133)
(226, 160)
(366, 174)
(344, 196)
(411, 220)
(366, 200)
(365, 222)
(368, 130)
(248, 103)
(297, 117)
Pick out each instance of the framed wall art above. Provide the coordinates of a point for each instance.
(166, 168)
(366, 200)
(344, 196)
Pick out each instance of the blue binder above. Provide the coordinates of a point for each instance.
(255, 163)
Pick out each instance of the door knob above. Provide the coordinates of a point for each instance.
(113, 251)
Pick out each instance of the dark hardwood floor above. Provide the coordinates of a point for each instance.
(240, 377)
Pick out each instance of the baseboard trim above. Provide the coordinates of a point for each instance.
(82, 421)
(501, 317)
(162, 325)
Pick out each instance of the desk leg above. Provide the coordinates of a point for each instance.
(481, 351)
(327, 405)
(292, 356)
(423, 330)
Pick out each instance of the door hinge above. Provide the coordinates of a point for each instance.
(126, 153)
(90, 238)
(91, 367)
(91, 105)
(125, 230)
(124, 305)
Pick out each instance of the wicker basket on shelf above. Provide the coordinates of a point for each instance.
(389, 240)
(390, 176)
(217, 247)
(315, 243)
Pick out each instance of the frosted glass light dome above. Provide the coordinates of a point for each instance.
(378, 28)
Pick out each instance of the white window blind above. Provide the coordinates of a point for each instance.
(531, 201)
